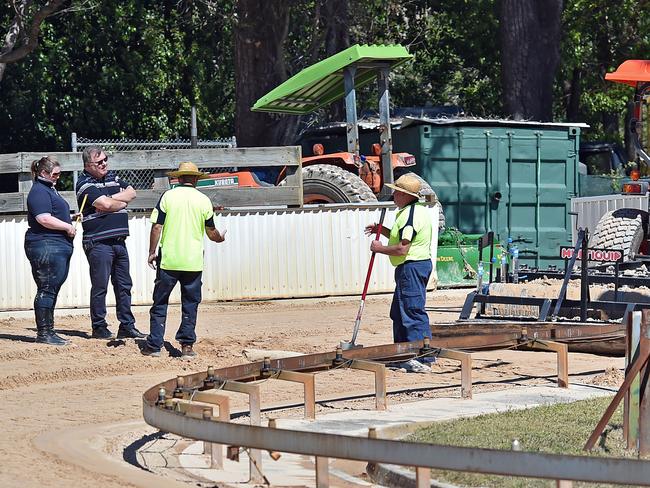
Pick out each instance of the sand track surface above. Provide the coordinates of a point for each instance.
(60, 403)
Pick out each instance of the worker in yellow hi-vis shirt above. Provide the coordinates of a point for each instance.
(409, 250)
(179, 221)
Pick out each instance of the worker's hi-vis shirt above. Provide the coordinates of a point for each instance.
(184, 212)
(413, 224)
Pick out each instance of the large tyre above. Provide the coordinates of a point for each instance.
(622, 229)
(427, 192)
(325, 183)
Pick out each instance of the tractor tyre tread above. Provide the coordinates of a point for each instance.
(342, 185)
(622, 229)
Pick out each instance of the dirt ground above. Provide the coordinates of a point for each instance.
(54, 397)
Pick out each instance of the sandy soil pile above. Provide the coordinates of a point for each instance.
(93, 389)
(611, 377)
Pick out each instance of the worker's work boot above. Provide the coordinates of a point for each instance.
(130, 333)
(45, 328)
(147, 351)
(102, 333)
(415, 366)
(187, 351)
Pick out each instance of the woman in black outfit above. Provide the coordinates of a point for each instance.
(48, 244)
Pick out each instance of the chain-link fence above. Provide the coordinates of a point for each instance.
(143, 179)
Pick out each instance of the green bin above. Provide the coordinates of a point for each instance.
(513, 178)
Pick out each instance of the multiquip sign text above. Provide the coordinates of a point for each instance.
(603, 255)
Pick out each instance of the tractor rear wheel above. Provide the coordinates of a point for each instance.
(325, 183)
(622, 229)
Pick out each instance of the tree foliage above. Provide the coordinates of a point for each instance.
(24, 29)
(598, 36)
(122, 69)
(133, 68)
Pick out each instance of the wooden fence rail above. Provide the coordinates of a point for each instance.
(161, 162)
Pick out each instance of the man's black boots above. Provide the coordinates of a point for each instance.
(45, 328)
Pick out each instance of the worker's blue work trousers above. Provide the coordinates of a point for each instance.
(410, 320)
(109, 259)
(190, 298)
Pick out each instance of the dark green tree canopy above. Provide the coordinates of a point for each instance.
(128, 68)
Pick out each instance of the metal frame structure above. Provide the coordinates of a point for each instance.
(167, 407)
(545, 305)
(636, 435)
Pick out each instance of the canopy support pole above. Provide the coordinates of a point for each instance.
(385, 137)
(352, 128)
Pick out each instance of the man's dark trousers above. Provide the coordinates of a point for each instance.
(109, 258)
(190, 298)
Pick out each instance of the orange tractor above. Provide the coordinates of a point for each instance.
(344, 177)
(341, 177)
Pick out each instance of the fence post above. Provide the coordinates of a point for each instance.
(25, 179)
(25, 182)
(194, 137)
(160, 179)
(75, 148)
(644, 403)
(631, 404)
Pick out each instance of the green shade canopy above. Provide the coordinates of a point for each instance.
(322, 83)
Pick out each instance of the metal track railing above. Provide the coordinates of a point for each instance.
(166, 407)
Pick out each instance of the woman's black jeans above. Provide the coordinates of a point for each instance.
(50, 260)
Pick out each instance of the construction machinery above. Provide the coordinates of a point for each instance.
(344, 176)
(347, 176)
(549, 305)
(626, 229)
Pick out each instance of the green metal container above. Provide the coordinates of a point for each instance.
(514, 178)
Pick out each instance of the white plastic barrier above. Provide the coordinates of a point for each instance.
(279, 253)
(589, 210)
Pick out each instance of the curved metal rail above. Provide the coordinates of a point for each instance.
(187, 405)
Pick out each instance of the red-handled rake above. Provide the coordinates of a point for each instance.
(352, 344)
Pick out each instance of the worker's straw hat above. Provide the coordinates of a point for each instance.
(407, 184)
(188, 169)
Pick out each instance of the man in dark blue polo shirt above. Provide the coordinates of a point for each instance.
(106, 227)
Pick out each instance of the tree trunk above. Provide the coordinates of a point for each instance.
(630, 150)
(337, 38)
(530, 53)
(260, 35)
(572, 94)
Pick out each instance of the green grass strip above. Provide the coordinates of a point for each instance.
(558, 429)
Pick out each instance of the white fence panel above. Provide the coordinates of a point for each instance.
(267, 254)
(589, 210)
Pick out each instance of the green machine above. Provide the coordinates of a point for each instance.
(457, 258)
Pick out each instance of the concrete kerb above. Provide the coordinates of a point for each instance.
(405, 418)
(391, 475)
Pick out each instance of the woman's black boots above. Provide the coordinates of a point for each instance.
(45, 328)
